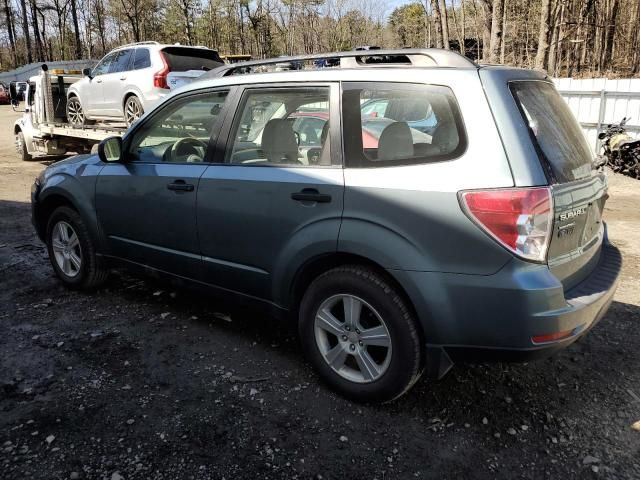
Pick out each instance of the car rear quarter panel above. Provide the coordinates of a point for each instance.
(409, 217)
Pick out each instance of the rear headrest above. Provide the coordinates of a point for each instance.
(395, 142)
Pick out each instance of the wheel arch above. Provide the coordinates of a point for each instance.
(320, 264)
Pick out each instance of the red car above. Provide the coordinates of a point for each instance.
(4, 96)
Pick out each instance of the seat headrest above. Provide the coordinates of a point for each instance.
(395, 142)
(279, 142)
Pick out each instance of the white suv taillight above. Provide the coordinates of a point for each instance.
(160, 77)
(521, 219)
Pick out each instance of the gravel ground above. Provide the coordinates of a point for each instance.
(142, 380)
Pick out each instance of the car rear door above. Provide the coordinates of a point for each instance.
(146, 203)
(263, 210)
(579, 193)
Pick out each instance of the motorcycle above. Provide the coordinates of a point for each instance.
(621, 151)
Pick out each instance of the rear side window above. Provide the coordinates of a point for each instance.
(141, 59)
(181, 59)
(554, 129)
(120, 62)
(388, 124)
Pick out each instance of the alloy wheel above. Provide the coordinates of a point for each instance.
(66, 249)
(353, 338)
(75, 115)
(132, 110)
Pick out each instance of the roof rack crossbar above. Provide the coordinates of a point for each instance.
(419, 57)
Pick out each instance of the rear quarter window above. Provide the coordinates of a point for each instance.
(388, 124)
(556, 133)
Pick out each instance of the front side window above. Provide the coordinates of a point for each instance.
(180, 132)
(399, 124)
(282, 126)
(120, 62)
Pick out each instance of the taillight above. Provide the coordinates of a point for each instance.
(160, 77)
(519, 218)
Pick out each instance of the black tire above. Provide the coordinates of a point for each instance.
(22, 148)
(406, 354)
(92, 273)
(132, 110)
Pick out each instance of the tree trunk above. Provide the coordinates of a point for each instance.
(496, 31)
(610, 35)
(76, 29)
(25, 30)
(504, 31)
(543, 35)
(487, 10)
(445, 24)
(12, 44)
(36, 31)
(435, 8)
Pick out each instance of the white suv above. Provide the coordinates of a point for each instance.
(130, 79)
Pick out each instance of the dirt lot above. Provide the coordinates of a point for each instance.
(144, 381)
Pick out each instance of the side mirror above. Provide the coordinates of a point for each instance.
(110, 149)
(86, 72)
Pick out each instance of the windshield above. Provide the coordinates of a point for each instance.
(555, 130)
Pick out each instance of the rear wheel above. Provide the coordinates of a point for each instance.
(72, 252)
(360, 335)
(132, 110)
(21, 145)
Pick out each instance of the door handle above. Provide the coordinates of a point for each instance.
(311, 195)
(180, 186)
(123, 78)
(98, 81)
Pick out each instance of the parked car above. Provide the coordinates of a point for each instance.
(482, 240)
(5, 98)
(131, 79)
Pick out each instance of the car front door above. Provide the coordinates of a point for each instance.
(146, 203)
(114, 83)
(92, 92)
(263, 208)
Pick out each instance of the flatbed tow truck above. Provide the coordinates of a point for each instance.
(43, 130)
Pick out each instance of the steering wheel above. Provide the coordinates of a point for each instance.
(193, 142)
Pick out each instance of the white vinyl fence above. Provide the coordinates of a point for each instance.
(598, 102)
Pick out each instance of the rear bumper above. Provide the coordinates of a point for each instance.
(496, 317)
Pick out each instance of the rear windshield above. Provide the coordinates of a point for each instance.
(181, 59)
(555, 130)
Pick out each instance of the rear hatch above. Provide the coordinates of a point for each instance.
(579, 193)
(182, 59)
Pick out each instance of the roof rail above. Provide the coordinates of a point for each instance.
(418, 57)
(146, 42)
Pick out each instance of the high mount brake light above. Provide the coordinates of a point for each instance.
(521, 219)
(160, 77)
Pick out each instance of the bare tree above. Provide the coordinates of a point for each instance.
(496, 31)
(543, 34)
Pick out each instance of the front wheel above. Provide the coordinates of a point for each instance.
(72, 251)
(21, 145)
(75, 113)
(359, 334)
